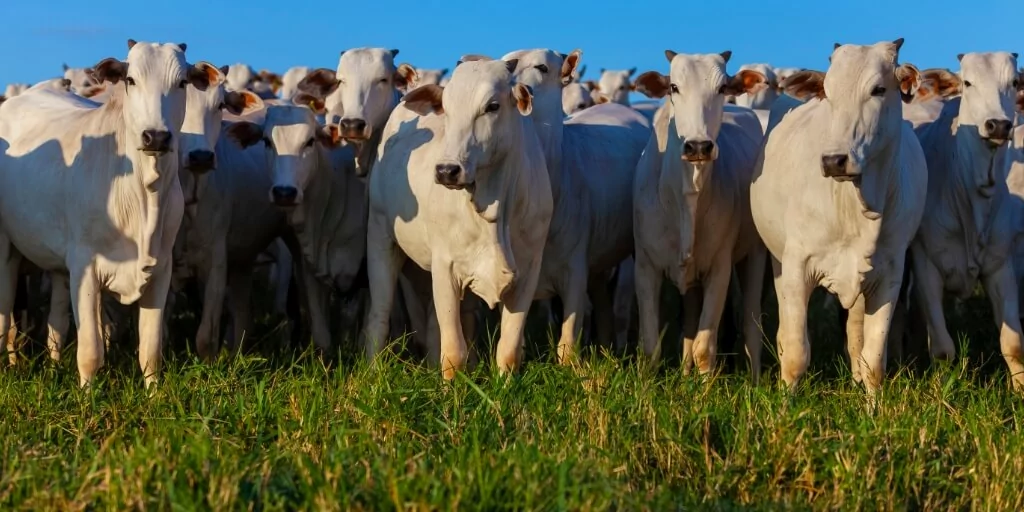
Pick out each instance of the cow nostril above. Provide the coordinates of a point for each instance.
(284, 194)
(834, 164)
(447, 173)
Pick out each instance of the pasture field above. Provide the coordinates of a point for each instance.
(280, 430)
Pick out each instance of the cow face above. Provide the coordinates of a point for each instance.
(988, 86)
(764, 98)
(481, 108)
(576, 97)
(154, 78)
(292, 140)
(697, 87)
(429, 76)
(616, 85)
(204, 112)
(367, 80)
(81, 82)
(862, 87)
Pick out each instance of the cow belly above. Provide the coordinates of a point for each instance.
(409, 237)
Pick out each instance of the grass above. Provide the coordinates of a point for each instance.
(280, 431)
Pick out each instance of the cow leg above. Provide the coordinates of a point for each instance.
(208, 337)
(8, 293)
(151, 322)
(317, 297)
(1002, 292)
(752, 276)
(574, 299)
(282, 277)
(793, 291)
(85, 300)
(855, 336)
(929, 291)
(623, 303)
(469, 307)
(716, 289)
(58, 320)
(692, 302)
(648, 298)
(603, 311)
(509, 355)
(447, 310)
(239, 293)
(878, 311)
(383, 262)
(19, 312)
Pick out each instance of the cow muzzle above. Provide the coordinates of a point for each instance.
(354, 129)
(997, 132)
(696, 151)
(450, 175)
(201, 161)
(837, 167)
(284, 196)
(155, 142)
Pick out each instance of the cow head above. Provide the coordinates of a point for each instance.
(546, 73)
(154, 78)
(576, 97)
(293, 141)
(204, 111)
(82, 82)
(367, 82)
(697, 86)
(862, 87)
(429, 77)
(616, 84)
(481, 108)
(764, 98)
(781, 74)
(988, 85)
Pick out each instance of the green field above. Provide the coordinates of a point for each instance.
(277, 430)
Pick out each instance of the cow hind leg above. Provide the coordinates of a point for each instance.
(752, 276)
(603, 310)
(208, 336)
(793, 291)
(1002, 292)
(58, 320)
(624, 303)
(648, 298)
(574, 298)
(8, 291)
(692, 304)
(929, 290)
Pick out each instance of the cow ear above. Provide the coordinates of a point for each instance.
(405, 75)
(203, 75)
(244, 133)
(320, 83)
(524, 98)
(425, 99)
(314, 102)
(569, 66)
(726, 55)
(591, 85)
(652, 84)
(909, 79)
(746, 81)
(224, 69)
(939, 82)
(329, 136)
(242, 102)
(599, 98)
(183, 46)
(109, 70)
(805, 85)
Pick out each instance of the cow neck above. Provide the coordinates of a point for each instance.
(147, 192)
(548, 121)
(366, 151)
(970, 157)
(679, 192)
(317, 218)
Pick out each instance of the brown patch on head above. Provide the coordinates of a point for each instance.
(652, 84)
(242, 102)
(272, 79)
(569, 64)
(805, 85)
(109, 70)
(909, 79)
(746, 81)
(938, 82)
(315, 103)
(524, 98)
(245, 134)
(405, 75)
(320, 83)
(424, 100)
(329, 136)
(204, 74)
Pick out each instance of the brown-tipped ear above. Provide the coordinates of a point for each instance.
(242, 102)
(669, 54)
(569, 66)
(329, 136)
(245, 134)
(315, 103)
(524, 98)
(939, 82)
(425, 99)
(131, 44)
(203, 75)
(599, 98)
(805, 85)
(746, 81)
(591, 85)
(320, 83)
(652, 84)
(405, 75)
(109, 70)
(909, 79)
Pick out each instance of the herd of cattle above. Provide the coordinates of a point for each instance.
(515, 180)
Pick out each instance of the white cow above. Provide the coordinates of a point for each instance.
(429, 77)
(615, 85)
(575, 98)
(102, 200)
(691, 208)
(838, 198)
(973, 220)
(290, 81)
(761, 102)
(82, 82)
(463, 192)
(13, 90)
(591, 158)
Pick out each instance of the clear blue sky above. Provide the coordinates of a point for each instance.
(37, 36)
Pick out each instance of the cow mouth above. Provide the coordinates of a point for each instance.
(698, 159)
(994, 143)
(156, 153)
(199, 169)
(354, 136)
(844, 177)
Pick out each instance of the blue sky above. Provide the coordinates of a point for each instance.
(37, 36)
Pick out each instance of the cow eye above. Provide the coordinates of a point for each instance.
(129, 81)
(542, 68)
(492, 107)
(675, 89)
(383, 80)
(878, 91)
(86, 84)
(582, 106)
(967, 84)
(310, 142)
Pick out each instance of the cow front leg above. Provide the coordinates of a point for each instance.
(447, 309)
(1002, 292)
(317, 297)
(509, 355)
(58, 321)
(855, 337)
(879, 307)
(928, 290)
(85, 300)
(239, 294)
(793, 291)
(151, 322)
(384, 260)
(208, 336)
(602, 310)
(716, 289)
